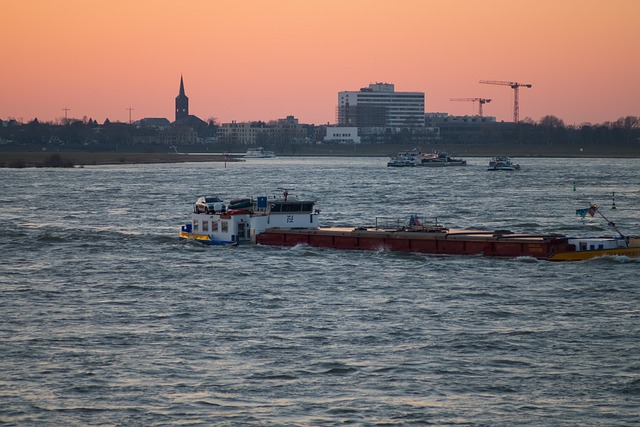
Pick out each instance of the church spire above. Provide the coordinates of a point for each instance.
(181, 87)
(182, 102)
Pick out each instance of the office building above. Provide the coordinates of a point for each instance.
(379, 105)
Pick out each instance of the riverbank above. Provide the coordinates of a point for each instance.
(79, 158)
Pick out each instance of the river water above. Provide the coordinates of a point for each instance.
(106, 318)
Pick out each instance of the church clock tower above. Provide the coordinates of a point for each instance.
(182, 103)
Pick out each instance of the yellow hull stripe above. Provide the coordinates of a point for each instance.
(185, 235)
(584, 255)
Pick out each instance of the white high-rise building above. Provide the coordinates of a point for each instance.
(379, 105)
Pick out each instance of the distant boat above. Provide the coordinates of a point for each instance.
(405, 159)
(502, 164)
(440, 158)
(259, 153)
(415, 157)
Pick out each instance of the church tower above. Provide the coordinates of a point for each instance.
(182, 103)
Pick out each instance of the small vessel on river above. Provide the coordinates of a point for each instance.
(439, 159)
(259, 153)
(286, 221)
(503, 163)
(416, 157)
(404, 159)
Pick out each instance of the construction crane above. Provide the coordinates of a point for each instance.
(515, 86)
(482, 101)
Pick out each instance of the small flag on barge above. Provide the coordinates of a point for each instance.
(591, 211)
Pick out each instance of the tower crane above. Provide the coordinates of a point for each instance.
(481, 102)
(515, 86)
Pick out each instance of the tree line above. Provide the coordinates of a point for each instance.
(549, 130)
(552, 130)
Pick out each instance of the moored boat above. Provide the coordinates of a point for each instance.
(502, 163)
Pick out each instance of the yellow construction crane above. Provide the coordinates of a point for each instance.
(481, 102)
(515, 86)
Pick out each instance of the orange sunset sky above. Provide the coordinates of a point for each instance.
(266, 59)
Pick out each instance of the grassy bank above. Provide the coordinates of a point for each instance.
(79, 158)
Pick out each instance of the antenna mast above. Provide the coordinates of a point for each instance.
(610, 223)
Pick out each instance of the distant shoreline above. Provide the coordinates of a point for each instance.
(21, 159)
(78, 158)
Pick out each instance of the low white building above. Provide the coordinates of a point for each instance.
(342, 135)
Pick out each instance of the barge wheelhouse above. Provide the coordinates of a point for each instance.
(244, 219)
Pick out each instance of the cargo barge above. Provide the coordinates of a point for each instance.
(283, 221)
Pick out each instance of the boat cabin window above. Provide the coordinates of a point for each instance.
(291, 207)
(225, 226)
(214, 226)
(205, 225)
(195, 224)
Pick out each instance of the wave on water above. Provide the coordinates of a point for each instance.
(613, 259)
(526, 226)
(528, 260)
(631, 387)
(305, 250)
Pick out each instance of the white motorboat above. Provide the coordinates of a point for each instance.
(259, 153)
(502, 163)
